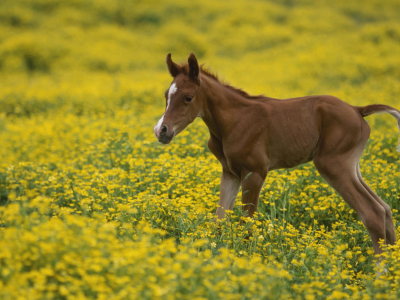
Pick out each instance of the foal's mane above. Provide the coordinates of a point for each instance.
(210, 74)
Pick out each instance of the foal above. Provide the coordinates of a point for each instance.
(256, 134)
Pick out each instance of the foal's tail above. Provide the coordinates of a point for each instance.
(379, 108)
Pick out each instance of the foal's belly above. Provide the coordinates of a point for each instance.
(291, 145)
(290, 161)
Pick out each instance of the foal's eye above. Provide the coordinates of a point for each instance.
(188, 99)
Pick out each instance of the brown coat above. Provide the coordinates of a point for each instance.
(256, 134)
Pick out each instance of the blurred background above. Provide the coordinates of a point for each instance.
(66, 53)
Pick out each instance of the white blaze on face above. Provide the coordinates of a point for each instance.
(172, 90)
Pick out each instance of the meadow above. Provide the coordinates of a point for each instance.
(93, 207)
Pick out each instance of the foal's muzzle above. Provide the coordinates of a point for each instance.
(163, 137)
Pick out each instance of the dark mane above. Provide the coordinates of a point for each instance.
(210, 74)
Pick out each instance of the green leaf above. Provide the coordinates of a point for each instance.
(247, 176)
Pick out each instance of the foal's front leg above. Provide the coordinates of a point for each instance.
(229, 189)
(251, 187)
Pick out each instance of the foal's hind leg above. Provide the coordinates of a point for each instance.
(343, 137)
(342, 176)
(390, 229)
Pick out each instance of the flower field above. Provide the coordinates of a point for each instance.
(93, 207)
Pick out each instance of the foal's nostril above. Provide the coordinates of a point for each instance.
(163, 130)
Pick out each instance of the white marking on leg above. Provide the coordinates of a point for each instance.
(172, 90)
(228, 192)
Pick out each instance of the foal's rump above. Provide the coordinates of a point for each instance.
(323, 124)
(343, 125)
(380, 108)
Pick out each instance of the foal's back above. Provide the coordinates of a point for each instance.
(296, 128)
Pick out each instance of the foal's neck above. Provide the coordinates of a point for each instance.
(221, 106)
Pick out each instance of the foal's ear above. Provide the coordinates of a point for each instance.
(173, 68)
(193, 68)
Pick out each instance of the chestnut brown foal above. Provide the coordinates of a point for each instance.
(256, 134)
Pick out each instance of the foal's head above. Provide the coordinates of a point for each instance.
(182, 106)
